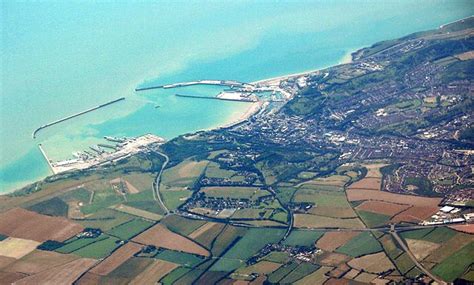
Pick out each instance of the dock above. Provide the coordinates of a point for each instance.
(75, 115)
(230, 83)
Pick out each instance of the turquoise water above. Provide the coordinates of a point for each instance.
(58, 59)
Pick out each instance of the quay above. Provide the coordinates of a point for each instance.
(75, 115)
(230, 83)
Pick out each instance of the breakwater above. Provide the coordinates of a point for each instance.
(35, 132)
(230, 83)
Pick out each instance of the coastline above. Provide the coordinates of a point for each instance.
(236, 117)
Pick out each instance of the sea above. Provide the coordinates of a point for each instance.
(62, 57)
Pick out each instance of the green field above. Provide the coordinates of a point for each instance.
(99, 249)
(74, 243)
(185, 259)
(404, 263)
(174, 275)
(277, 256)
(141, 181)
(51, 207)
(80, 195)
(362, 244)
(130, 229)
(373, 219)
(213, 170)
(173, 199)
(456, 264)
(299, 272)
(90, 247)
(416, 234)
(106, 219)
(128, 270)
(181, 225)
(276, 276)
(303, 238)
(390, 247)
(248, 245)
(440, 235)
(226, 237)
(102, 199)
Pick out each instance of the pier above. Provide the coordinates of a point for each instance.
(46, 157)
(75, 115)
(230, 83)
(216, 98)
(148, 88)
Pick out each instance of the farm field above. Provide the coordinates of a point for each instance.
(139, 181)
(98, 249)
(456, 264)
(303, 238)
(373, 219)
(182, 258)
(25, 224)
(384, 208)
(372, 263)
(17, 247)
(332, 240)
(160, 236)
(181, 225)
(138, 212)
(362, 244)
(116, 259)
(314, 222)
(63, 274)
(247, 246)
(106, 219)
(129, 229)
(36, 261)
(154, 272)
(182, 175)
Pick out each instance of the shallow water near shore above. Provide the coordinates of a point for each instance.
(59, 59)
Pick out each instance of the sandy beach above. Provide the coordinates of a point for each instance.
(237, 118)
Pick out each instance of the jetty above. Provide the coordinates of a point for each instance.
(75, 115)
(230, 83)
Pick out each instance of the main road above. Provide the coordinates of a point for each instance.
(157, 182)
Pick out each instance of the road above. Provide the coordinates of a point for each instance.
(405, 248)
(156, 183)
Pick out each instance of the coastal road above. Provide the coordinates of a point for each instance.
(156, 183)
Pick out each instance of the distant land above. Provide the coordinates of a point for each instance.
(360, 173)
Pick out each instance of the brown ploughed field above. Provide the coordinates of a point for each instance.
(21, 223)
(160, 236)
